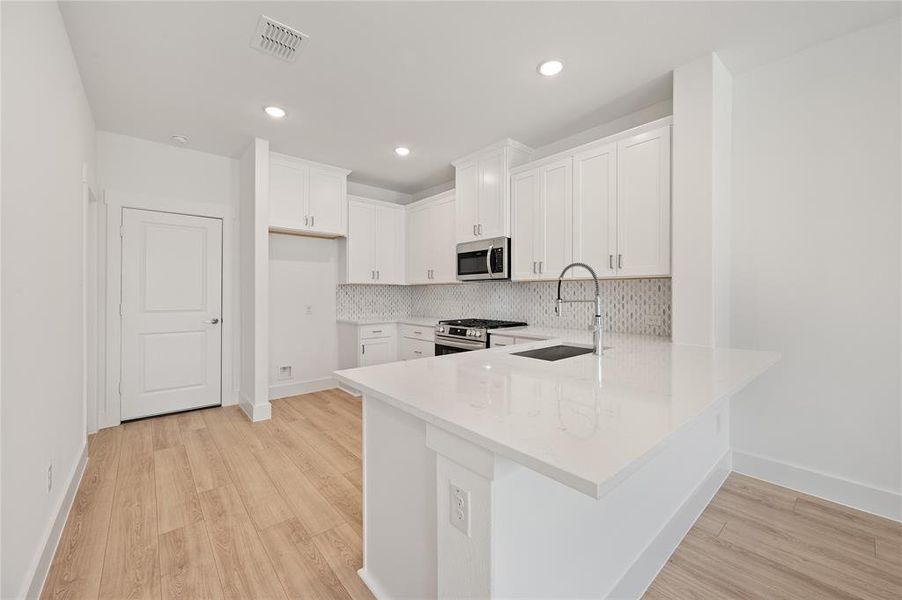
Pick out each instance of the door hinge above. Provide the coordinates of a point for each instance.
(122, 232)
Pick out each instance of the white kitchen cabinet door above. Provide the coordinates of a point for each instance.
(418, 244)
(360, 243)
(595, 208)
(553, 238)
(524, 210)
(440, 239)
(643, 204)
(377, 351)
(494, 205)
(466, 181)
(326, 201)
(388, 249)
(287, 194)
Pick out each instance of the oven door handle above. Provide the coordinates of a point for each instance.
(455, 343)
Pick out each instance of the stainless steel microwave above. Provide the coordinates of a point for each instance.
(484, 259)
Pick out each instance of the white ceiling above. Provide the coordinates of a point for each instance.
(442, 78)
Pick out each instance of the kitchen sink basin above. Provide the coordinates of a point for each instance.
(554, 352)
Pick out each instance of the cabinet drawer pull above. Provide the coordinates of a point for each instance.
(418, 333)
(377, 331)
(417, 352)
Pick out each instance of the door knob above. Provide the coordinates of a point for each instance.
(213, 321)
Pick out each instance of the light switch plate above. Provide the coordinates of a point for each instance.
(459, 508)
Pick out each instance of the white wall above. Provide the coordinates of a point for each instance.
(164, 175)
(47, 139)
(816, 264)
(303, 273)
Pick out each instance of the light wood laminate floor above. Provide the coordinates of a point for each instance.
(206, 504)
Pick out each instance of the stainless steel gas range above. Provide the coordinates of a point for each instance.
(462, 335)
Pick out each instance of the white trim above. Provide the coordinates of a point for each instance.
(499, 145)
(296, 388)
(108, 405)
(377, 590)
(854, 494)
(52, 540)
(646, 568)
(428, 200)
(255, 412)
(349, 390)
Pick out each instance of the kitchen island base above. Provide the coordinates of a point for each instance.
(529, 535)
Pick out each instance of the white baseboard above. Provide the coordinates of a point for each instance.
(56, 530)
(296, 388)
(374, 587)
(349, 390)
(643, 572)
(853, 494)
(255, 412)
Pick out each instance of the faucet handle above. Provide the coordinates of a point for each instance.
(557, 306)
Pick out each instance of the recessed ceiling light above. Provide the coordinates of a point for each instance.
(179, 140)
(402, 151)
(275, 112)
(550, 68)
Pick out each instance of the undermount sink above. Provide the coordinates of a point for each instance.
(555, 352)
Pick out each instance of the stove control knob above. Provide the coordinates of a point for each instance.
(441, 329)
(478, 334)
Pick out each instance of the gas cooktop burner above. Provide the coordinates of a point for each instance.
(482, 323)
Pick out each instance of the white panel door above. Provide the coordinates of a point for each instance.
(595, 209)
(389, 245)
(171, 312)
(360, 243)
(287, 194)
(643, 204)
(326, 198)
(554, 237)
(524, 226)
(493, 208)
(443, 247)
(377, 351)
(418, 245)
(466, 181)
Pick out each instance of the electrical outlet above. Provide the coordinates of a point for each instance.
(309, 309)
(285, 372)
(460, 508)
(49, 478)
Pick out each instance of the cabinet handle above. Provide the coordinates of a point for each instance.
(363, 348)
(619, 261)
(306, 221)
(610, 261)
(312, 221)
(479, 228)
(372, 274)
(474, 231)
(541, 268)
(377, 274)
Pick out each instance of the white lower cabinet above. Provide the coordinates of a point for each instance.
(499, 341)
(410, 348)
(377, 351)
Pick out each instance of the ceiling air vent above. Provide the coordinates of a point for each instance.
(277, 40)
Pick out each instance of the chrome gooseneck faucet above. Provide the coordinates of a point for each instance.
(596, 325)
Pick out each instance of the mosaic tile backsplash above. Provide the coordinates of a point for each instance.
(640, 306)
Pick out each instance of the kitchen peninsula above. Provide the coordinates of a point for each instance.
(488, 474)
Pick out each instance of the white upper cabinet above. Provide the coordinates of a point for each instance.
(482, 203)
(431, 246)
(542, 220)
(374, 250)
(606, 204)
(595, 208)
(643, 204)
(307, 198)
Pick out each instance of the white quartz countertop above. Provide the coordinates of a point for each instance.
(585, 422)
(580, 337)
(376, 319)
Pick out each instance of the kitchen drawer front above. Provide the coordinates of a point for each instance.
(498, 341)
(417, 332)
(383, 330)
(410, 349)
